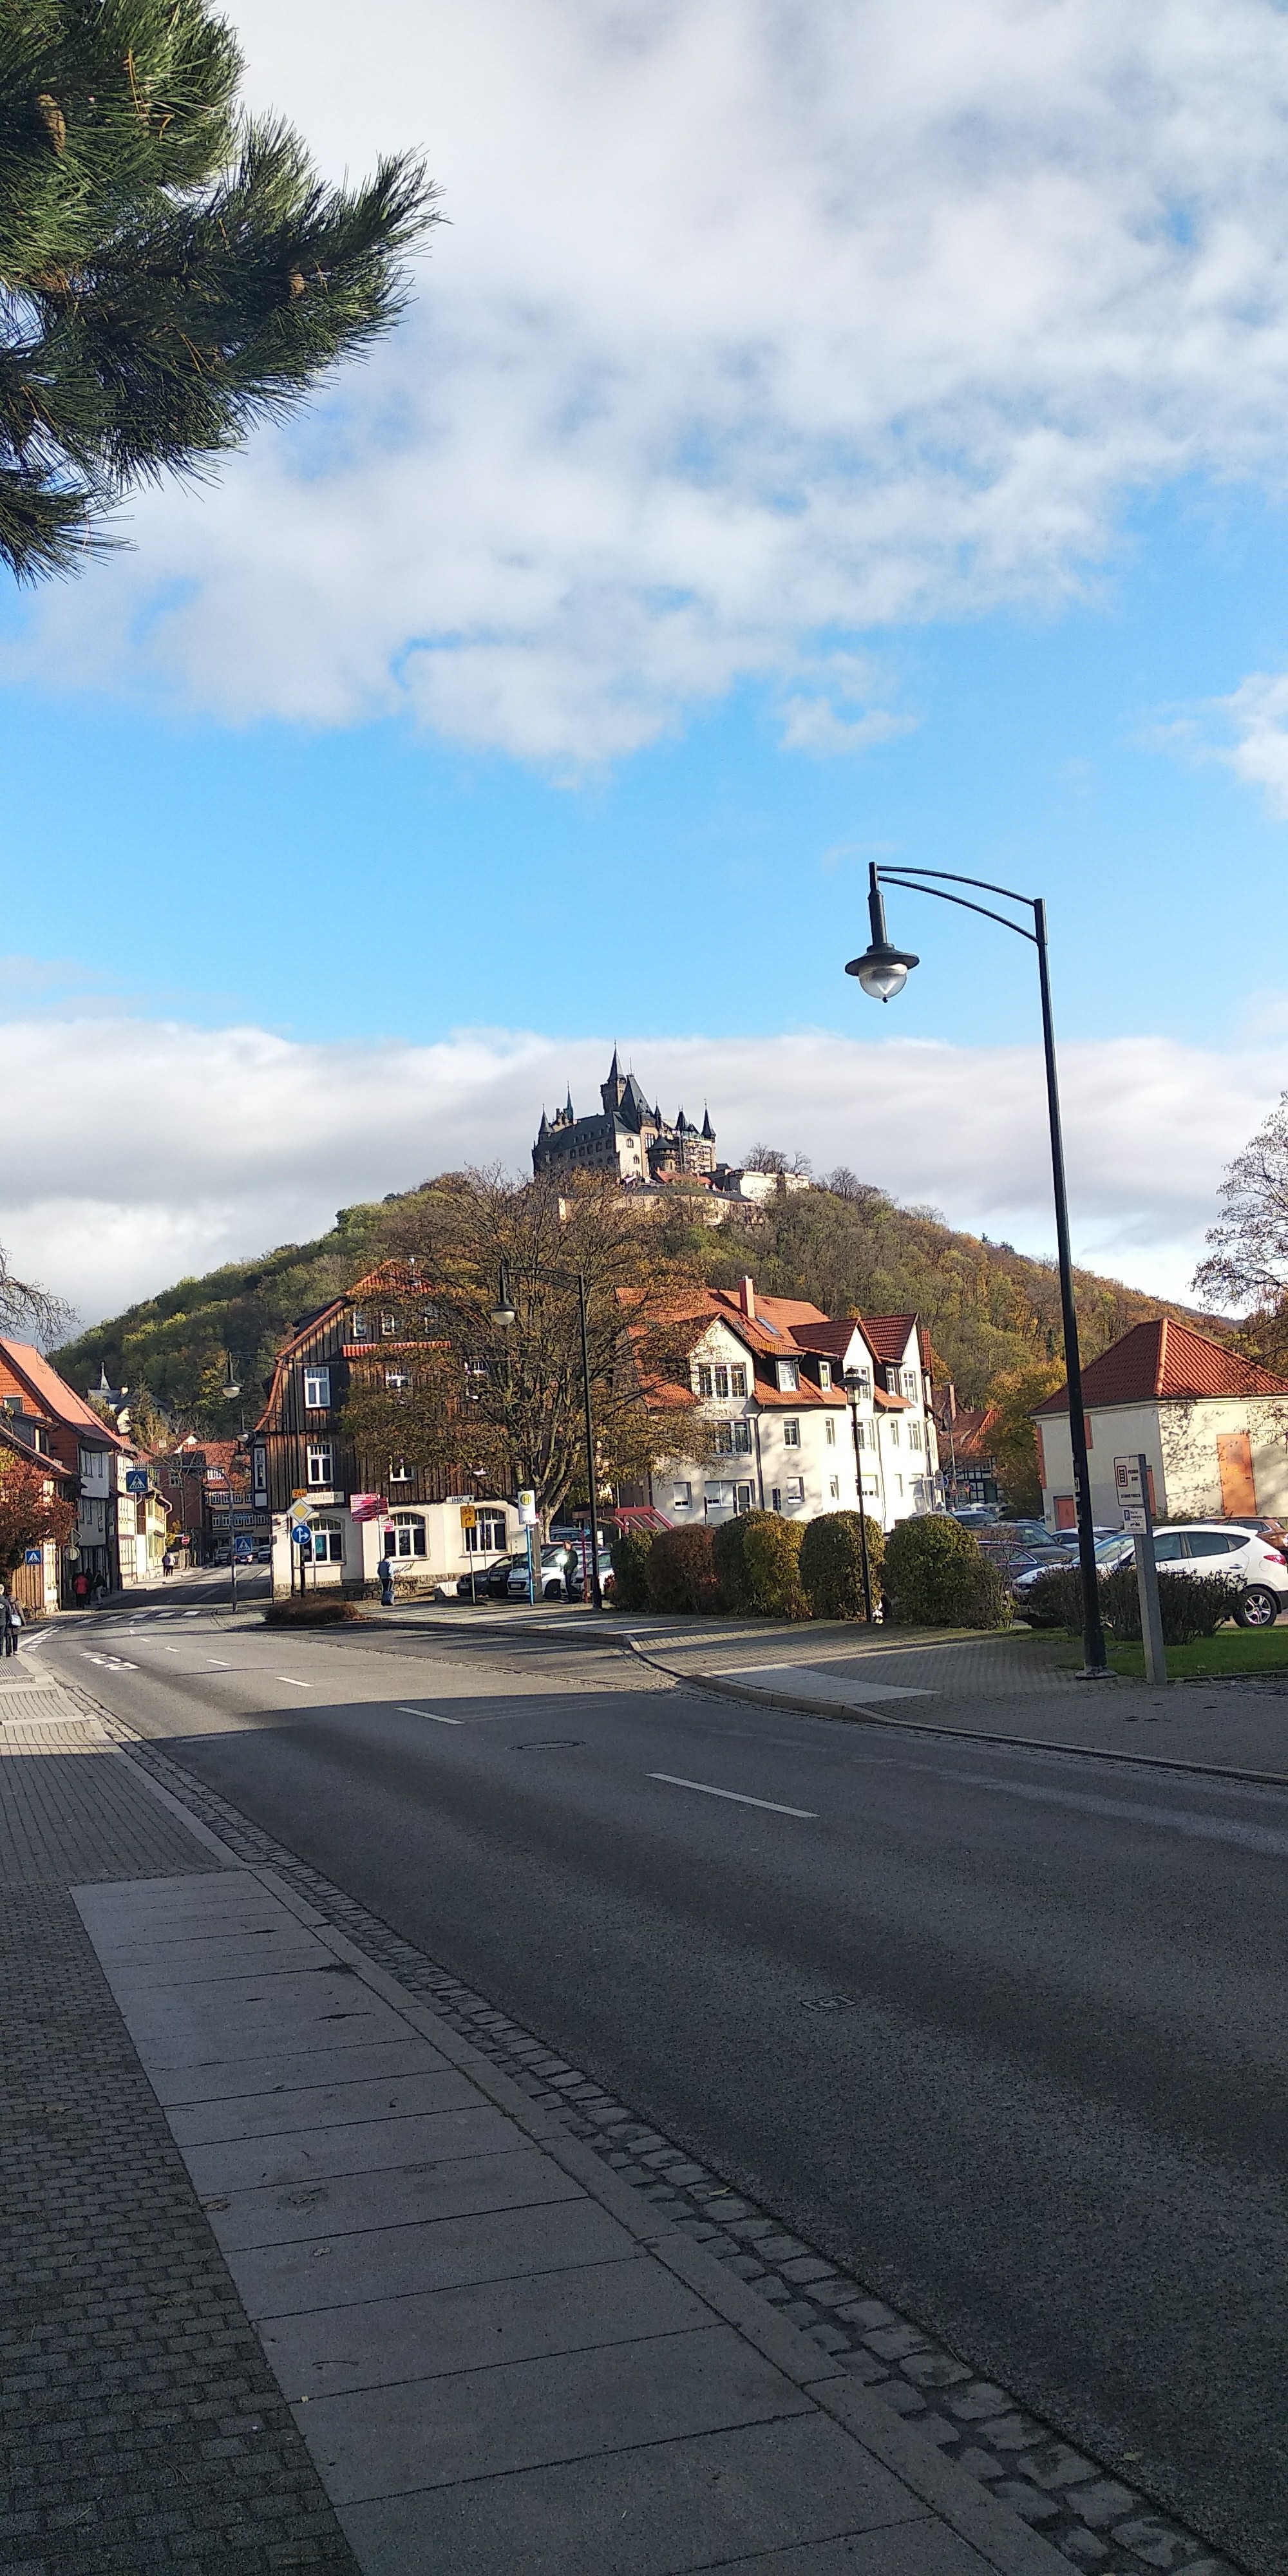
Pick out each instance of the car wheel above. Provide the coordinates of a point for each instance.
(553, 1592)
(1258, 1608)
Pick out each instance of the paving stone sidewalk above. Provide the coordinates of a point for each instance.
(296, 2278)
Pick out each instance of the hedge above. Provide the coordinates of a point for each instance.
(831, 1564)
(630, 1555)
(757, 1563)
(1190, 1607)
(936, 1577)
(679, 1572)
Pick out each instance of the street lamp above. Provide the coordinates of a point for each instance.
(231, 1391)
(503, 1316)
(854, 1389)
(883, 971)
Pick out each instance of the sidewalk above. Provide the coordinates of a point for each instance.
(300, 2278)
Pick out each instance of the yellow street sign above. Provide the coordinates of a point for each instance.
(469, 1517)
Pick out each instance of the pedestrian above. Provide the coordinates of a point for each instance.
(80, 1589)
(385, 1578)
(10, 1623)
(167, 1562)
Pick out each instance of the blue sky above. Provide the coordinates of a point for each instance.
(694, 541)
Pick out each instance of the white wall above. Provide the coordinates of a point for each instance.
(1179, 1440)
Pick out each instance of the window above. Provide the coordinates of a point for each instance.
(834, 1488)
(328, 1542)
(397, 1381)
(825, 1374)
(914, 1435)
(360, 1328)
(1215, 1542)
(1168, 1545)
(319, 1462)
(865, 1381)
(910, 1385)
(795, 1489)
(388, 1326)
(732, 1437)
(681, 1497)
(829, 1432)
(704, 1380)
(789, 1376)
(487, 1538)
(894, 1435)
(791, 1435)
(407, 1536)
(892, 1381)
(721, 1376)
(317, 1389)
(399, 1472)
(174, 1478)
(776, 1499)
(737, 1381)
(861, 1430)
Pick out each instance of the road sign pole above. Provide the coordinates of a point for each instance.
(1138, 1517)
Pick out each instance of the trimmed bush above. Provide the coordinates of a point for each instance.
(679, 1572)
(831, 1566)
(936, 1577)
(630, 1554)
(757, 1562)
(312, 1610)
(1191, 1607)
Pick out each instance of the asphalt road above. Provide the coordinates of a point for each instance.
(1002, 2032)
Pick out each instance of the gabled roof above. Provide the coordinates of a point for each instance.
(889, 1334)
(51, 1467)
(1166, 1361)
(831, 1341)
(55, 1397)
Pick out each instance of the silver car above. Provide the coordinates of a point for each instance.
(1197, 1548)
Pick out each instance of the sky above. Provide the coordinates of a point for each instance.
(819, 433)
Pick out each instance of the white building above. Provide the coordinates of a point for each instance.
(1212, 1425)
(769, 1374)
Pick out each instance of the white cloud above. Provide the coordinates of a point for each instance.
(1256, 713)
(225, 1143)
(753, 324)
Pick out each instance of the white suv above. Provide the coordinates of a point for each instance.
(1222, 1547)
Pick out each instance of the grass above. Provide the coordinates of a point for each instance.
(1221, 1658)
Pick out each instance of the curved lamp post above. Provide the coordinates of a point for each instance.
(883, 970)
(230, 1392)
(503, 1315)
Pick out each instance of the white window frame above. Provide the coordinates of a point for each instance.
(720, 1376)
(910, 1385)
(400, 1473)
(914, 1435)
(333, 1551)
(834, 1489)
(789, 1376)
(703, 1373)
(319, 1379)
(681, 1498)
(893, 1429)
(829, 1433)
(792, 1433)
(397, 1381)
(825, 1375)
(738, 1378)
(487, 1538)
(320, 1463)
(794, 1489)
(411, 1526)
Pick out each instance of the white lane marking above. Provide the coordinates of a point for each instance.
(219, 1664)
(739, 1800)
(41, 1640)
(404, 1711)
(290, 1677)
(1176, 1820)
(111, 1663)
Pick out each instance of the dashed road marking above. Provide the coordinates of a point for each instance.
(738, 1796)
(404, 1711)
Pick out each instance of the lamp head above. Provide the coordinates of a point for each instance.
(503, 1314)
(882, 970)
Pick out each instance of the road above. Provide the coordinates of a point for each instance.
(1001, 2032)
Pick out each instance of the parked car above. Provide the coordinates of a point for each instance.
(1197, 1548)
(572, 1573)
(554, 1566)
(1056, 1558)
(488, 1581)
(263, 1551)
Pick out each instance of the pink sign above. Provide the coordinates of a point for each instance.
(367, 1507)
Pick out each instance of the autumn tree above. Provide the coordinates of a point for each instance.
(31, 1510)
(1012, 1398)
(171, 270)
(1247, 1261)
(504, 1403)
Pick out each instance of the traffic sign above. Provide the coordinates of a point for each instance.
(1134, 1518)
(1127, 1480)
(302, 1537)
(300, 1510)
(136, 1480)
(31, 1556)
(299, 1493)
(469, 1517)
(527, 1508)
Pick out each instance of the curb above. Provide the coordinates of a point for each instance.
(855, 1716)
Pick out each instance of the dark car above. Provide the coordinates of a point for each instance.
(489, 1582)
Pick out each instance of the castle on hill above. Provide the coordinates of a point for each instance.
(627, 1138)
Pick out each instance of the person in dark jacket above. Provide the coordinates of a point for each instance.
(385, 1578)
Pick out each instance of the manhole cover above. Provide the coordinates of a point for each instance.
(549, 1744)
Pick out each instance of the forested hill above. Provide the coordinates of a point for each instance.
(987, 1308)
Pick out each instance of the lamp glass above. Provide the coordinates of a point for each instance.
(882, 975)
(503, 1315)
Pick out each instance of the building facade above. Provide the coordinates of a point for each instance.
(361, 1508)
(627, 1140)
(52, 1418)
(1212, 1425)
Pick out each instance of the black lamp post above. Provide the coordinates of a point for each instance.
(883, 971)
(503, 1314)
(854, 1389)
(231, 1392)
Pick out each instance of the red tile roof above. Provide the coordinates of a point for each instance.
(1168, 1360)
(60, 1401)
(889, 1334)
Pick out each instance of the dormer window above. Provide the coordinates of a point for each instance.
(892, 1381)
(825, 1374)
(789, 1376)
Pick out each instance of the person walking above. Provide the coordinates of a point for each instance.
(80, 1589)
(11, 1616)
(385, 1578)
(167, 1562)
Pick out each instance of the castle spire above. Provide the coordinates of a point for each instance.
(707, 1129)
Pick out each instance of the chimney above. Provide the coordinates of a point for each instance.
(747, 1299)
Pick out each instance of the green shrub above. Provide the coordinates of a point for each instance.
(936, 1577)
(757, 1563)
(679, 1572)
(831, 1565)
(1190, 1607)
(630, 1555)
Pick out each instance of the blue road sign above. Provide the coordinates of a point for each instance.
(136, 1480)
(302, 1537)
(32, 1556)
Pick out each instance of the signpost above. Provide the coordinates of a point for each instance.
(1131, 1482)
(529, 1522)
(470, 1522)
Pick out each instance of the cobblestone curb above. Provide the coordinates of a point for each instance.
(1097, 2520)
